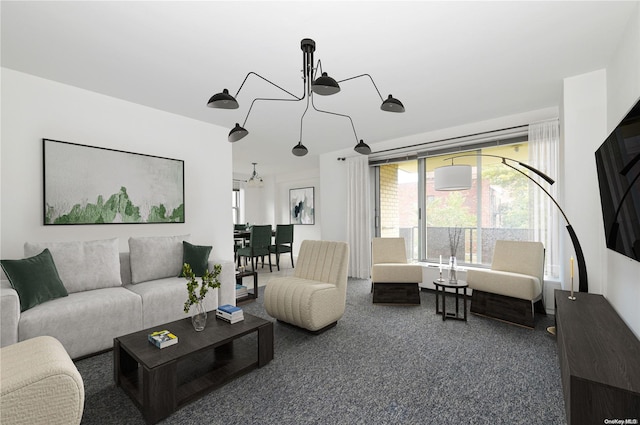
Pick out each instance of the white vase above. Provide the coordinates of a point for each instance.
(198, 316)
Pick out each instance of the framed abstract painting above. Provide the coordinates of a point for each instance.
(91, 185)
(301, 206)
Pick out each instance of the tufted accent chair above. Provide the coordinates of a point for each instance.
(314, 298)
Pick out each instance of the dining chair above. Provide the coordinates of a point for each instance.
(238, 240)
(259, 241)
(283, 242)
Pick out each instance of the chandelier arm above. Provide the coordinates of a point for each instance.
(301, 118)
(372, 82)
(273, 84)
(314, 71)
(335, 113)
(266, 98)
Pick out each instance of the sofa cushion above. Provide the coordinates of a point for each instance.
(85, 322)
(396, 273)
(309, 304)
(163, 300)
(155, 257)
(197, 256)
(83, 265)
(35, 279)
(509, 284)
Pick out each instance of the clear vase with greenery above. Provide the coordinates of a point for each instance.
(197, 292)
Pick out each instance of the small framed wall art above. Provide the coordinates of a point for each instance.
(301, 206)
(90, 185)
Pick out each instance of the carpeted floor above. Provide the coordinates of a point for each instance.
(380, 365)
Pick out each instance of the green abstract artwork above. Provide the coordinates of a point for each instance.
(90, 185)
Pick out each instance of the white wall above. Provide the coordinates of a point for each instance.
(583, 130)
(34, 108)
(270, 204)
(623, 91)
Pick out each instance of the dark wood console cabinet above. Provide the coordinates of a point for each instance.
(599, 361)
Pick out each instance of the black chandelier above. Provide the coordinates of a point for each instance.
(324, 85)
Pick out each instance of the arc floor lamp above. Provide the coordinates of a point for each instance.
(458, 177)
(322, 85)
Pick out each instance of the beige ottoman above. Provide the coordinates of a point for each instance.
(39, 384)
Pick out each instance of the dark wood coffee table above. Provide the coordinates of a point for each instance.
(160, 381)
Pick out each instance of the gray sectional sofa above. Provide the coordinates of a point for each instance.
(110, 293)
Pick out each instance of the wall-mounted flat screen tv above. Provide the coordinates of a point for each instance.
(618, 164)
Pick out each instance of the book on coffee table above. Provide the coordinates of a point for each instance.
(230, 313)
(163, 338)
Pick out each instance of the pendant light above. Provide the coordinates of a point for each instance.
(255, 181)
(323, 85)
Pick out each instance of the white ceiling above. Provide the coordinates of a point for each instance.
(450, 63)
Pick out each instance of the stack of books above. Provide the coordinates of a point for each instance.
(241, 291)
(230, 313)
(163, 338)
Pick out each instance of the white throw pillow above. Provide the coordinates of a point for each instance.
(83, 265)
(155, 257)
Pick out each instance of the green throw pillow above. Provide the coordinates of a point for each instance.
(35, 279)
(197, 256)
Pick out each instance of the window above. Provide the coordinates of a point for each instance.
(398, 204)
(496, 207)
(501, 204)
(235, 205)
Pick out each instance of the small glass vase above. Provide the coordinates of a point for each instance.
(453, 269)
(198, 316)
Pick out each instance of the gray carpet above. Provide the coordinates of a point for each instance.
(380, 365)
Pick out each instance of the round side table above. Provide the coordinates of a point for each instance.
(441, 291)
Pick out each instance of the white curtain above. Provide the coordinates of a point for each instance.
(359, 216)
(544, 142)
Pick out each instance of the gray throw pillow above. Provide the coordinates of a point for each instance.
(83, 265)
(155, 257)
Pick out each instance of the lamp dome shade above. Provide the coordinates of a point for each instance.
(362, 148)
(237, 133)
(325, 85)
(299, 150)
(391, 104)
(453, 177)
(223, 101)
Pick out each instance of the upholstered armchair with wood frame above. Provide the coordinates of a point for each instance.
(512, 289)
(393, 280)
(315, 297)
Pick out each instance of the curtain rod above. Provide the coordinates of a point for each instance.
(451, 138)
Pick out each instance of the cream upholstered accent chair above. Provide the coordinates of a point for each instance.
(393, 280)
(512, 289)
(39, 384)
(314, 298)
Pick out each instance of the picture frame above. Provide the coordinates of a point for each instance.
(85, 184)
(302, 206)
